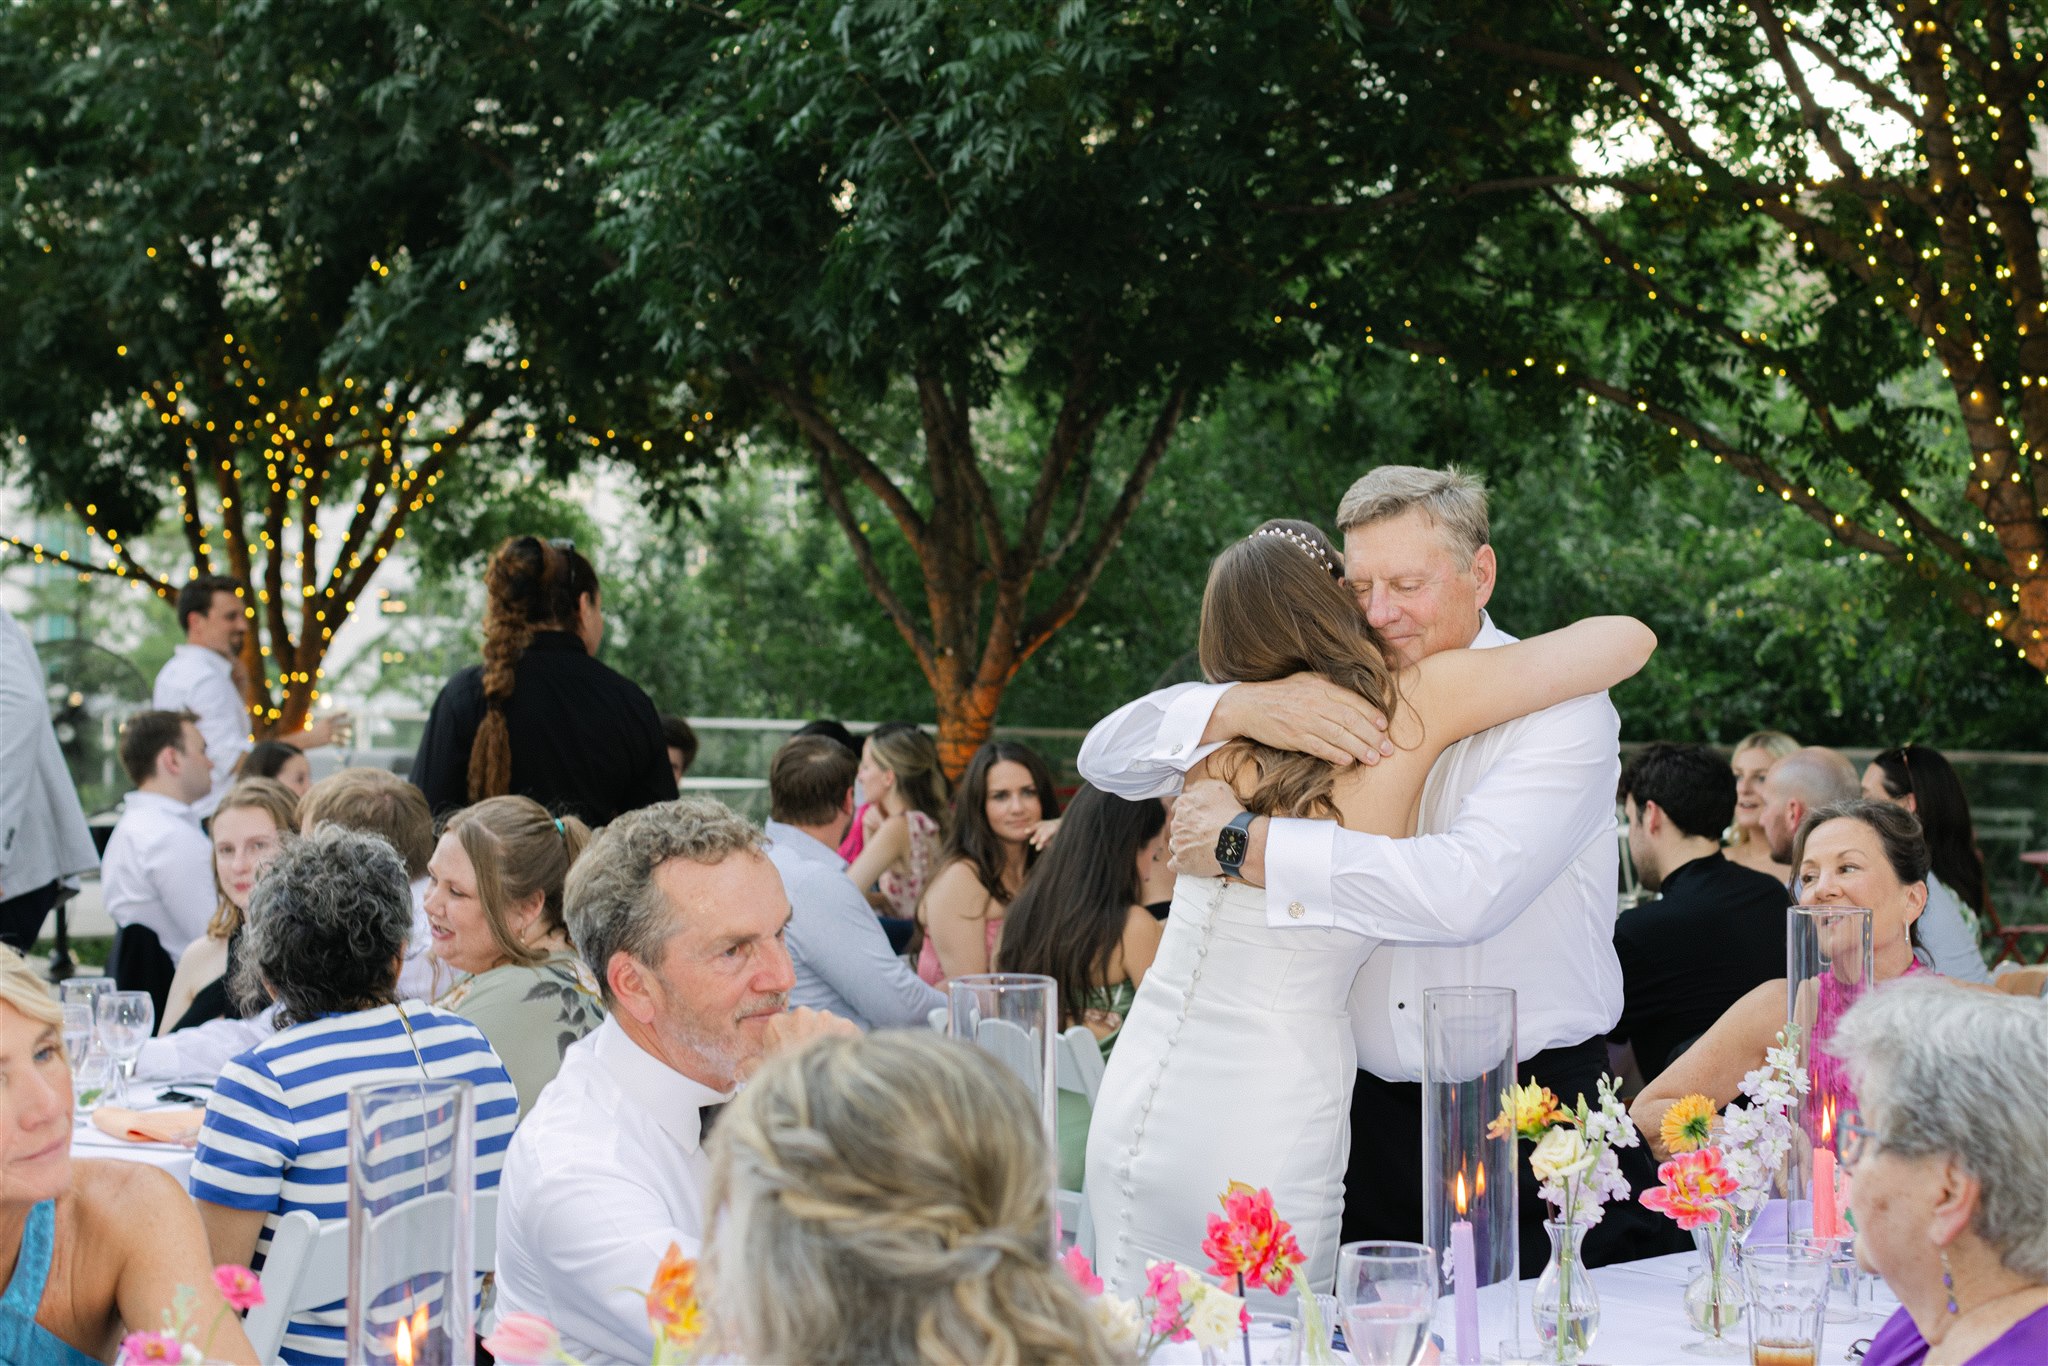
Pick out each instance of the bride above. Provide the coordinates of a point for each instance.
(1237, 1061)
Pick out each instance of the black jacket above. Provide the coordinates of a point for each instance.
(585, 740)
(1716, 933)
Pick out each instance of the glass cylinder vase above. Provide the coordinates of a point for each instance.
(1015, 1016)
(1566, 1306)
(1829, 967)
(1470, 1192)
(412, 1224)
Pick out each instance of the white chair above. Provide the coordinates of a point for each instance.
(1080, 1071)
(308, 1262)
(940, 1018)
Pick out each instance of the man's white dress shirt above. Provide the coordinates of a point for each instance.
(158, 871)
(841, 955)
(202, 681)
(603, 1174)
(43, 836)
(1510, 880)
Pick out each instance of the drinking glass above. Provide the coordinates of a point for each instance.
(1387, 1295)
(92, 1076)
(126, 1020)
(85, 991)
(1788, 1294)
(77, 1032)
(1270, 1340)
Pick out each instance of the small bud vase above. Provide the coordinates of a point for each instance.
(1567, 1307)
(1714, 1301)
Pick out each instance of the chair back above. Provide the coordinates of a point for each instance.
(1080, 1063)
(308, 1262)
(1013, 1047)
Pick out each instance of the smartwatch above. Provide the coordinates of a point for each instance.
(1233, 842)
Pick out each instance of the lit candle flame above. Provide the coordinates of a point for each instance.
(1461, 1193)
(411, 1334)
(1827, 1120)
(1479, 1189)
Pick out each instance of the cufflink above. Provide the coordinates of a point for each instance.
(1296, 910)
(1176, 749)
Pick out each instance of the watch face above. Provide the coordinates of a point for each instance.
(1230, 847)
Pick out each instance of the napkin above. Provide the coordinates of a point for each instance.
(151, 1126)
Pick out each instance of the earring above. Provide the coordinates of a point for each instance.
(1948, 1282)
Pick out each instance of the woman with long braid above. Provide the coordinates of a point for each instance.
(541, 717)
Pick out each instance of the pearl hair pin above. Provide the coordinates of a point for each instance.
(1315, 552)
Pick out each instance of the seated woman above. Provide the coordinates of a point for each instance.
(1751, 761)
(1853, 853)
(1924, 782)
(905, 816)
(1949, 1148)
(1005, 795)
(494, 907)
(278, 759)
(901, 1179)
(98, 1249)
(1081, 920)
(326, 934)
(249, 826)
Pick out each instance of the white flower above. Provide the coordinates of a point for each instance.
(1118, 1320)
(1213, 1316)
(1562, 1154)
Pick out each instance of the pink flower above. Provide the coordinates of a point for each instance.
(1077, 1265)
(524, 1340)
(239, 1286)
(1252, 1242)
(1695, 1186)
(1163, 1288)
(139, 1348)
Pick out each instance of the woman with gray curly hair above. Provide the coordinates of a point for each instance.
(1949, 1151)
(887, 1198)
(326, 935)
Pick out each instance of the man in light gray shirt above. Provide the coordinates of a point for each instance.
(842, 958)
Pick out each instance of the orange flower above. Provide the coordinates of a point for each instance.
(1251, 1241)
(1688, 1125)
(1529, 1111)
(1695, 1190)
(672, 1308)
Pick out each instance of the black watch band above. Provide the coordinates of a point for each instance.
(1233, 842)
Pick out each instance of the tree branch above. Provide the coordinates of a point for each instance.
(834, 493)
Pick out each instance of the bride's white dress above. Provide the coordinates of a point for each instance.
(1235, 1064)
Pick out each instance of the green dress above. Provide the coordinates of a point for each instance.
(530, 1015)
(1074, 1108)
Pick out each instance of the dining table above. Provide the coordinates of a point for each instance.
(89, 1140)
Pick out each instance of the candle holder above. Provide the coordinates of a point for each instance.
(411, 1224)
(1829, 967)
(1015, 1016)
(1470, 1191)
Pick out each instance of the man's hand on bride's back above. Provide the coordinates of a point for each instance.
(1306, 713)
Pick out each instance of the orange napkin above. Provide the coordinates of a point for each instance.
(151, 1126)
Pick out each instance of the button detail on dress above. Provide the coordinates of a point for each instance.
(1296, 910)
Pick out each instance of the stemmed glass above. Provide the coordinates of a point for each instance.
(77, 1032)
(126, 1020)
(1387, 1295)
(85, 991)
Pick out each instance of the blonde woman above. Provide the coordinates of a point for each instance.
(886, 1198)
(1747, 844)
(494, 908)
(906, 815)
(98, 1249)
(249, 827)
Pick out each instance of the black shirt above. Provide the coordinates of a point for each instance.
(585, 740)
(1716, 933)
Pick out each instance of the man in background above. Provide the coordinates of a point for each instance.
(43, 836)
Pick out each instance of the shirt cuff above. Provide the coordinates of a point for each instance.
(1299, 855)
(1179, 743)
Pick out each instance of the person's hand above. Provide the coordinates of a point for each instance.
(1042, 836)
(795, 1028)
(1198, 817)
(1305, 713)
(871, 817)
(324, 731)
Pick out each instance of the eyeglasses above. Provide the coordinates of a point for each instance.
(1853, 1141)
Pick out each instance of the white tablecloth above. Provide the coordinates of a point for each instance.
(89, 1140)
(1642, 1317)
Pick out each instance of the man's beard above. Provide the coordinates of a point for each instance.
(727, 1049)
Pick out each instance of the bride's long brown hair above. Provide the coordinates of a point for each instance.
(1276, 605)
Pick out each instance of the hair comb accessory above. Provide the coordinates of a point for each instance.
(1315, 552)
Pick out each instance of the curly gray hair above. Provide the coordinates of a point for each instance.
(328, 922)
(611, 901)
(1939, 1068)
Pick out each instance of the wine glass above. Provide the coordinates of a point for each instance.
(85, 991)
(77, 1032)
(126, 1019)
(1387, 1295)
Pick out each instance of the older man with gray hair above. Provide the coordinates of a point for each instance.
(680, 917)
(1509, 882)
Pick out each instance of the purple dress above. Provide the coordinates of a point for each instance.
(1899, 1343)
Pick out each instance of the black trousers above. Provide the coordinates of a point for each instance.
(22, 917)
(1383, 1184)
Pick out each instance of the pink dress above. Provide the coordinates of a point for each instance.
(904, 889)
(928, 957)
(1830, 1079)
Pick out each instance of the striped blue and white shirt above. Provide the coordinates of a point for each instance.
(275, 1137)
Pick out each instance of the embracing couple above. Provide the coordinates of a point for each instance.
(1384, 793)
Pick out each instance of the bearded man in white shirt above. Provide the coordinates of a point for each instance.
(679, 914)
(204, 676)
(156, 881)
(1510, 880)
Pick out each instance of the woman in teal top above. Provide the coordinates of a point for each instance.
(1080, 919)
(131, 1238)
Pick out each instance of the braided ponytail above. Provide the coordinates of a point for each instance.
(530, 585)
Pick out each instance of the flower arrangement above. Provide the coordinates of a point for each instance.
(1177, 1305)
(240, 1288)
(673, 1313)
(1253, 1244)
(1575, 1149)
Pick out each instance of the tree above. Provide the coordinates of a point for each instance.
(293, 274)
(1797, 239)
(863, 224)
